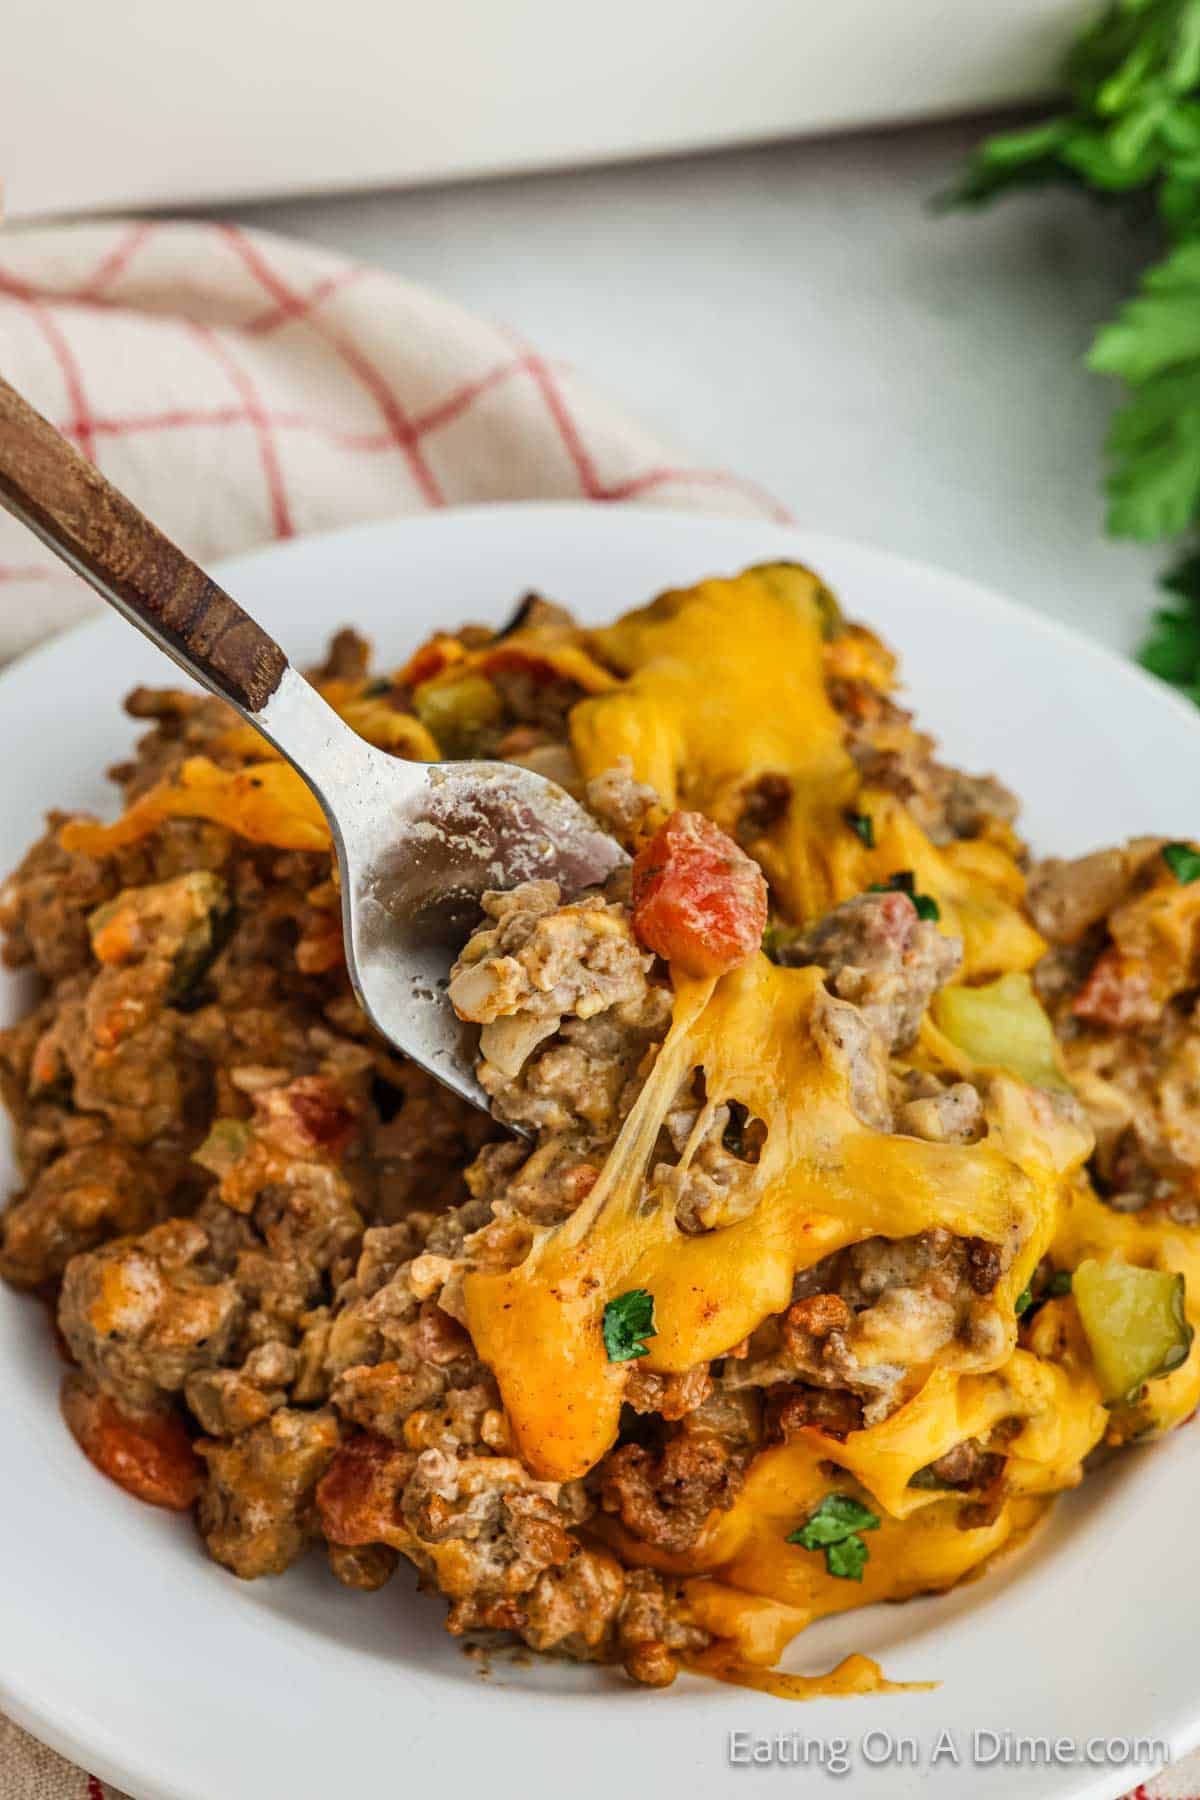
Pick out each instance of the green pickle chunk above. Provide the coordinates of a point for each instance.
(1002, 1025)
(457, 709)
(1135, 1323)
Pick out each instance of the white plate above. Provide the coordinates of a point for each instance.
(123, 1646)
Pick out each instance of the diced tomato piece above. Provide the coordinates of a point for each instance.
(358, 1497)
(1118, 992)
(698, 900)
(151, 1457)
(322, 1112)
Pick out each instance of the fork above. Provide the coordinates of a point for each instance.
(417, 844)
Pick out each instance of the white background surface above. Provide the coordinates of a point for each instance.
(797, 314)
(154, 102)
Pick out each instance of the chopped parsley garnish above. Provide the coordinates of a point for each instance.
(837, 1516)
(375, 690)
(847, 1558)
(905, 882)
(835, 1528)
(863, 825)
(1183, 862)
(628, 1321)
(1052, 1287)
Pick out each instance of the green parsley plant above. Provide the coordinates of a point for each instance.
(1130, 135)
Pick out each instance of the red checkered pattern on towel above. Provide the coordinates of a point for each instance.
(242, 388)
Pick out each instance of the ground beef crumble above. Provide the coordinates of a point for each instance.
(1123, 990)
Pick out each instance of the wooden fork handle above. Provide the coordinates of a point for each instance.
(50, 487)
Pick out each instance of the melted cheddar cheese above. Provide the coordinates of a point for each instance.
(268, 802)
(720, 685)
(705, 692)
(725, 683)
(824, 1180)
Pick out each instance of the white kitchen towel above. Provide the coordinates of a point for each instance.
(242, 388)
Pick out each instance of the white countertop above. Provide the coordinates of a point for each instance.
(797, 314)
